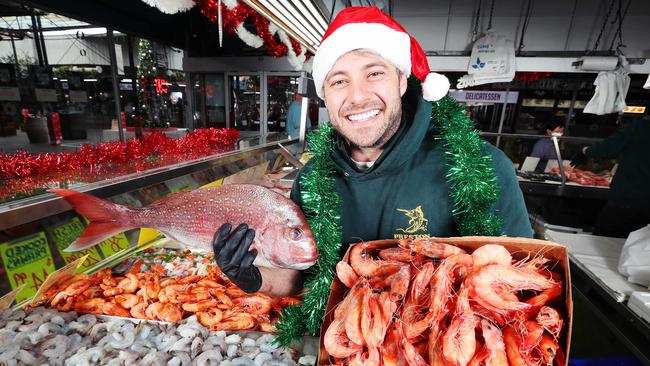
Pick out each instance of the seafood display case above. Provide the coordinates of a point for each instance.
(100, 309)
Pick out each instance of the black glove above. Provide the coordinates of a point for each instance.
(579, 159)
(234, 259)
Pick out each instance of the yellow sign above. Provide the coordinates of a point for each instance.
(634, 109)
(114, 244)
(64, 234)
(27, 261)
(65, 271)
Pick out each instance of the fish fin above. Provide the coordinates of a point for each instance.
(106, 218)
(95, 232)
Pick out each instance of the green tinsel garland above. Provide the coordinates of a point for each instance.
(322, 207)
(473, 183)
(473, 189)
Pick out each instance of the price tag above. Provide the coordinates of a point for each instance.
(28, 261)
(9, 297)
(64, 234)
(114, 244)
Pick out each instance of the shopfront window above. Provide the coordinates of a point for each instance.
(245, 102)
(282, 92)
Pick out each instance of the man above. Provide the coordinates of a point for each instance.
(628, 202)
(293, 117)
(544, 148)
(391, 172)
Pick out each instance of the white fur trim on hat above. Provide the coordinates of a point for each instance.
(435, 86)
(392, 45)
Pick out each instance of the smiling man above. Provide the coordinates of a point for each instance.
(392, 159)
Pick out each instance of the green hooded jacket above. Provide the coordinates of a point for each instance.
(405, 193)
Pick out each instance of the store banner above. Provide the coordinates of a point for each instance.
(9, 94)
(27, 261)
(492, 61)
(64, 234)
(484, 96)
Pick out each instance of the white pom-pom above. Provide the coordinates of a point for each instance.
(435, 86)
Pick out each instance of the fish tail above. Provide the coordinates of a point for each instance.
(106, 218)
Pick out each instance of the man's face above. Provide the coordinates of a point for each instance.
(363, 97)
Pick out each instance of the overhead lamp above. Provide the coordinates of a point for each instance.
(90, 80)
(298, 18)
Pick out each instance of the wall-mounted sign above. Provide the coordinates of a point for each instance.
(484, 96)
(9, 94)
(45, 95)
(27, 261)
(162, 86)
(634, 109)
(78, 96)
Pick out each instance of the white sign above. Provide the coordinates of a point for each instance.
(10, 94)
(484, 96)
(45, 95)
(78, 96)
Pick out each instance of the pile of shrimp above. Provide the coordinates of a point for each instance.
(46, 336)
(217, 303)
(430, 303)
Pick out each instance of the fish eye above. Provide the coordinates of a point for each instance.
(296, 234)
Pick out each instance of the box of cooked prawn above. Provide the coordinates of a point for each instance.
(449, 301)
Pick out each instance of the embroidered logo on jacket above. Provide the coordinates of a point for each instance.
(417, 222)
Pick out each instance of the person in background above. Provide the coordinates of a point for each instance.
(293, 117)
(544, 148)
(628, 202)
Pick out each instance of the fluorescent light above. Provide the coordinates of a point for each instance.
(182, 85)
(63, 80)
(296, 15)
(126, 80)
(287, 18)
(89, 80)
(316, 14)
(75, 31)
(311, 17)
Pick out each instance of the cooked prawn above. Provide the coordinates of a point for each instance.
(127, 301)
(336, 341)
(550, 350)
(238, 321)
(352, 317)
(257, 304)
(364, 265)
(399, 283)
(72, 289)
(138, 311)
(550, 320)
(491, 254)
(494, 346)
(493, 276)
(170, 313)
(346, 274)
(209, 318)
(200, 306)
(459, 340)
(434, 249)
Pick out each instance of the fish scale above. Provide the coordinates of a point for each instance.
(282, 236)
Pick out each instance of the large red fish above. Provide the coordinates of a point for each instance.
(282, 236)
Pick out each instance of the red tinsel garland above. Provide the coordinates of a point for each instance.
(232, 18)
(22, 173)
(201, 142)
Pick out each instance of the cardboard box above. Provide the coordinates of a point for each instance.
(519, 248)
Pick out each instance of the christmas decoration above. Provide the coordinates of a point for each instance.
(170, 6)
(233, 14)
(22, 173)
(473, 189)
(369, 28)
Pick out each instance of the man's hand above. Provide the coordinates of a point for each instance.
(234, 259)
(580, 158)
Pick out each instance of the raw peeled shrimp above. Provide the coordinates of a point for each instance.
(55, 348)
(122, 337)
(210, 355)
(83, 323)
(180, 359)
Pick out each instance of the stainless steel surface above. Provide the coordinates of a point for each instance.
(289, 156)
(504, 106)
(537, 137)
(560, 163)
(303, 123)
(38, 207)
(116, 87)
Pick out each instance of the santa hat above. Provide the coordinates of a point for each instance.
(368, 28)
